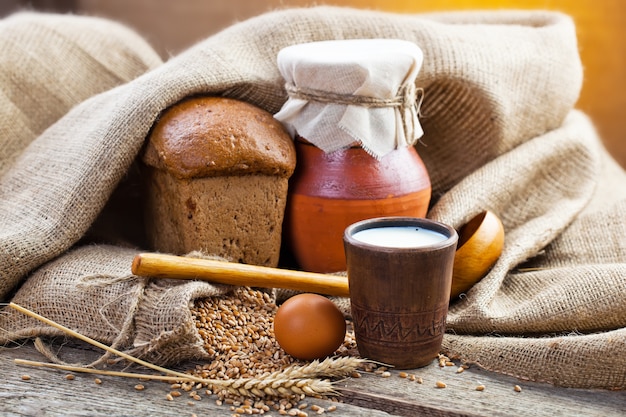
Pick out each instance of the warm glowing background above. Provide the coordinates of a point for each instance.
(173, 25)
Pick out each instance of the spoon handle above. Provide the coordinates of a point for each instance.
(179, 267)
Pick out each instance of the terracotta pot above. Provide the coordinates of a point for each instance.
(330, 191)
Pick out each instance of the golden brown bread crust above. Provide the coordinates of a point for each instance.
(214, 136)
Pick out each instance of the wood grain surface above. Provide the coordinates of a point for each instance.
(49, 393)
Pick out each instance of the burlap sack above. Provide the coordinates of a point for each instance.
(49, 64)
(90, 290)
(500, 134)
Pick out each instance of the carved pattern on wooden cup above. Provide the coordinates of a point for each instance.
(413, 327)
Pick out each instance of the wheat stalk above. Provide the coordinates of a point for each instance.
(278, 385)
(295, 379)
(98, 344)
(72, 368)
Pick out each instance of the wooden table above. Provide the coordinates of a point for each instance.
(49, 393)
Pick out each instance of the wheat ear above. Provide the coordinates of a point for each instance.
(281, 383)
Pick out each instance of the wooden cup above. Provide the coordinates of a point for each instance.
(399, 295)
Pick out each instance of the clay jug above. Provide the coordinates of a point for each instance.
(330, 191)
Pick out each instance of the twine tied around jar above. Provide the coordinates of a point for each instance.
(408, 100)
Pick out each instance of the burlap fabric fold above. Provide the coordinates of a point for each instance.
(501, 133)
(48, 65)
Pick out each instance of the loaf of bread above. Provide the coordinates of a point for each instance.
(217, 172)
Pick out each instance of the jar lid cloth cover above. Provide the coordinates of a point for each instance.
(347, 91)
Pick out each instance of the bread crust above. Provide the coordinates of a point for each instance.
(206, 136)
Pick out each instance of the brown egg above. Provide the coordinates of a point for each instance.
(309, 326)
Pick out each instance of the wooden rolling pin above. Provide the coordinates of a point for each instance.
(180, 267)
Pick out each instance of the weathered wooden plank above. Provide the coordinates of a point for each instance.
(398, 406)
(399, 396)
(48, 393)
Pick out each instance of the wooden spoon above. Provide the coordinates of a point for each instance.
(180, 267)
(480, 244)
